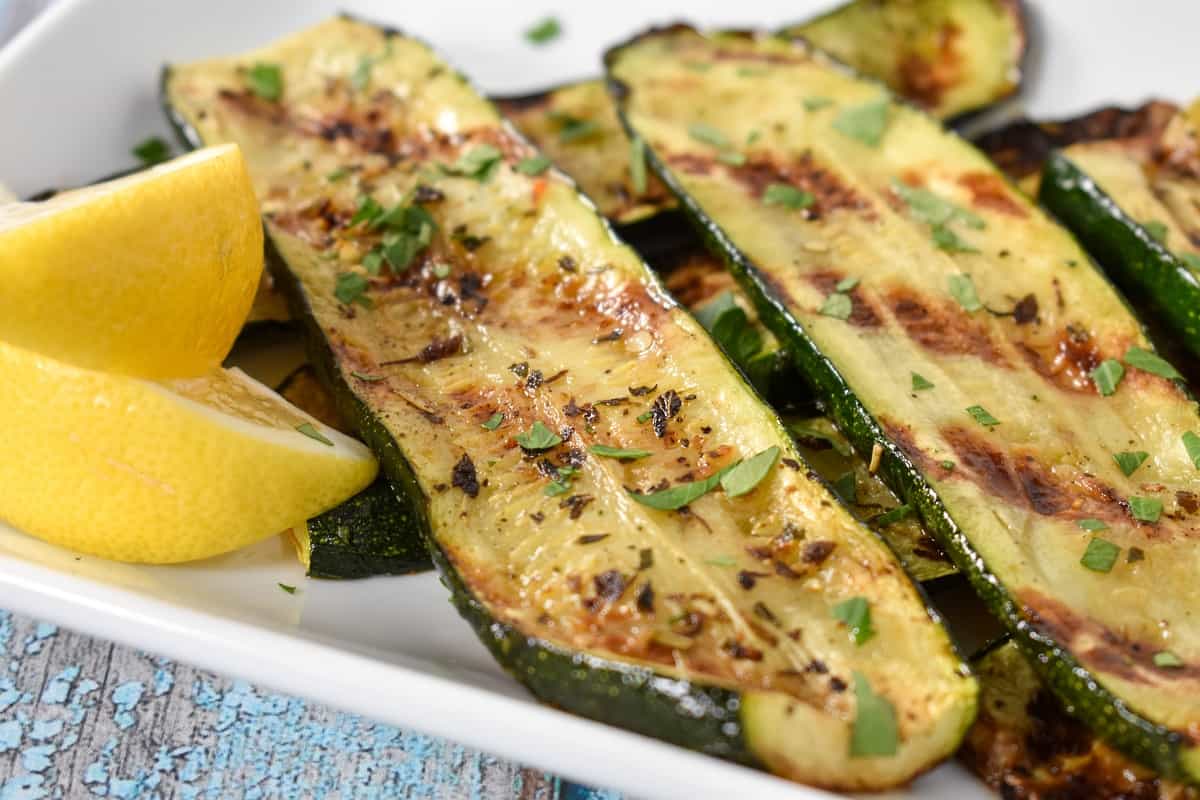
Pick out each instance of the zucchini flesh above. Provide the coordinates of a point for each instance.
(1006, 500)
(947, 56)
(677, 643)
(1119, 200)
(1026, 747)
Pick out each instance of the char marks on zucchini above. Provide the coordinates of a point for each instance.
(539, 528)
(1029, 375)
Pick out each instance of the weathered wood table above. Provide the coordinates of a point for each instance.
(80, 717)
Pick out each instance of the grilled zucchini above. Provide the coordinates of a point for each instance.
(597, 483)
(948, 322)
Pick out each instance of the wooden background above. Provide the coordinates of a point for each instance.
(80, 717)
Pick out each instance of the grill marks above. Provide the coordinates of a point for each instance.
(831, 193)
(988, 190)
(941, 326)
(1067, 361)
(925, 81)
(1098, 647)
(862, 311)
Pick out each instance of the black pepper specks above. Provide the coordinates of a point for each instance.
(464, 476)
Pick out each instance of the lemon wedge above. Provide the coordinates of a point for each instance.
(150, 275)
(161, 472)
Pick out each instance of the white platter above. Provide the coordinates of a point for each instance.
(79, 87)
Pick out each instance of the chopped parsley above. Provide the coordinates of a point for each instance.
(534, 165)
(703, 132)
(925, 206)
(152, 151)
(637, 164)
(962, 289)
(1092, 525)
(865, 123)
(539, 437)
(544, 32)
(562, 483)
(847, 487)
(1167, 660)
(441, 270)
(742, 477)
(875, 731)
(265, 80)
(1191, 443)
(782, 194)
(493, 421)
(838, 306)
(1145, 509)
(368, 211)
(1191, 260)
(1130, 461)
(619, 453)
(721, 561)
(948, 240)
(286, 588)
(855, 613)
(846, 284)
(890, 517)
(573, 129)
(1100, 555)
(338, 174)
(731, 157)
(920, 383)
(1156, 229)
(816, 103)
(310, 430)
(680, 495)
(351, 287)
(1149, 362)
(947, 465)
(479, 163)
(732, 329)
(1107, 376)
(362, 73)
(982, 416)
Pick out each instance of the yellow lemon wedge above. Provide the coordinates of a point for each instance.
(150, 275)
(161, 472)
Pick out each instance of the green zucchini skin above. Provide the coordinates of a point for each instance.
(1154, 745)
(1153, 277)
(369, 534)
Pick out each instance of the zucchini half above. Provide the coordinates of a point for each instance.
(926, 299)
(520, 338)
(1136, 208)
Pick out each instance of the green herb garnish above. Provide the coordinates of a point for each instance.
(265, 80)
(351, 287)
(637, 164)
(743, 476)
(1145, 509)
(441, 270)
(866, 123)
(1191, 443)
(1130, 461)
(1167, 660)
(362, 376)
(731, 157)
(619, 453)
(1092, 525)
(1157, 230)
(847, 487)
(1107, 376)
(562, 484)
(856, 614)
(543, 32)
(493, 421)
(338, 174)
(947, 465)
(310, 430)
(925, 206)
(362, 73)
(680, 495)
(703, 132)
(875, 730)
(539, 437)
(571, 128)
(890, 517)
(782, 194)
(534, 165)
(948, 240)
(368, 211)
(286, 588)
(732, 329)
(1149, 362)
(838, 306)
(152, 151)
(1100, 555)
(1191, 260)
(920, 383)
(816, 103)
(478, 162)
(962, 289)
(721, 561)
(981, 415)
(846, 284)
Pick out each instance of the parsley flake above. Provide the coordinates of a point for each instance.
(847, 487)
(962, 289)
(310, 430)
(865, 123)
(478, 163)
(1145, 509)
(846, 284)
(1190, 260)
(816, 103)
(637, 164)
(1149, 362)
(152, 151)
(544, 32)
(982, 416)
(619, 453)
(893, 516)
(1156, 230)
(920, 383)
(368, 211)
(742, 477)
(948, 240)
(855, 613)
(1107, 376)
(838, 306)
(731, 157)
(1130, 461)
(875, 731)
(573, 129)
(351, 287)
(286, 588)
(678, 496)
(265, 80)
(539, 437)
(1167, 660)
(1191, 443)
(925, 206)
(1100, 555)
(534, 165)
(782, 194)
(493, 421)
(703, 132)
(1092, 525)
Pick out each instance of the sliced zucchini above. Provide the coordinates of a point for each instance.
(491, 370)
(947, 56)
(948, 321)
(1139, 215)
(1026, 747)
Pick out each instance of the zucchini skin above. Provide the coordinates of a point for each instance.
(1151, 276)
(1154, 745)
(369, 534)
